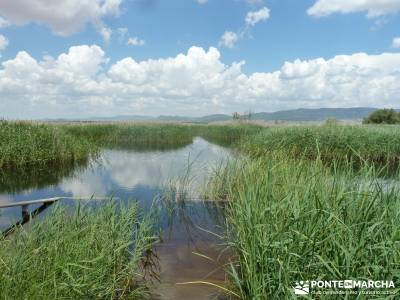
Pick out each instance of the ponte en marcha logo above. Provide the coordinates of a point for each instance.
(344, 286)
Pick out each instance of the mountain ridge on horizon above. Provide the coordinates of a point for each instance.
(294, 115)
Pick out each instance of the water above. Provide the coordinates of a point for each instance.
(141, 176)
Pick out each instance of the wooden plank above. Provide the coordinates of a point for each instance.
(24, 203)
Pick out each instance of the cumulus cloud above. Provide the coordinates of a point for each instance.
(396, 42)
(373, 8)
(81, 83)
(135, 41)
(3, 42)
(80, 60)
(228, 39)
(253, 17)
(64, 17)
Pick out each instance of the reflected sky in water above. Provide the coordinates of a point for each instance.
(126, 174)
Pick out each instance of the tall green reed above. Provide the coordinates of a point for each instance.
(358, 144)
(24, 144)
(93, 252)
(292, 220)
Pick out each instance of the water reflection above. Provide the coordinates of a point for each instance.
(147, 147)
(189, 227)
(114, 171)
(17, 180)
(127, 174)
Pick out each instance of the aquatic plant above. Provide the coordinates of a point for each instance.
(93, 252)
(40, 145)
(226, 135)
(358, 144)
(157, 136)
(136, 136)
(291, 220)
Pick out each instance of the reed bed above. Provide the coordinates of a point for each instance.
(293, 220)
(24, 144)
(40, 145)
(93, 252)
(158, 136)
(358, 144)
(226, 135)
(133, 136)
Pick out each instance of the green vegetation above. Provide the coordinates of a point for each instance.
(296, 209)
(290, 217)
(383, 116)
(292, 220)
(157, 136)
(29, 144)
(332, 144)
(24, 144)
(225, 135)
(91, 253)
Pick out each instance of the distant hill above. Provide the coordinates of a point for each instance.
(295, 115)
(214, 118)
(319, 114)
(122, 118)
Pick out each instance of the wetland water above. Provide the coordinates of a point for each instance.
(143, 175)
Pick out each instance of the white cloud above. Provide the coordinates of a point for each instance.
(135, 42)
(396, 42)
(80, 83)
(228, 39)
(202, 1)
(373, 8)
(81, 60)
(253, 17)
(64, 17)
(3, 42)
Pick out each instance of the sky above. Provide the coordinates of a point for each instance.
(87, 58)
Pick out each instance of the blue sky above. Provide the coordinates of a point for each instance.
(287, 31)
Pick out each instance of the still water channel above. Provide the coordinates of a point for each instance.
(142, 176)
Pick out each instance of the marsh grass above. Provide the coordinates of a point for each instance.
(330, 143)
(150, 136)
(226, 135)
(93, 252)
(27, 144)
(292, 220)
(158, 136)
(289, 216)
(40, 145)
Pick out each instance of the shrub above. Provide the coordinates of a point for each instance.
(383, 116)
